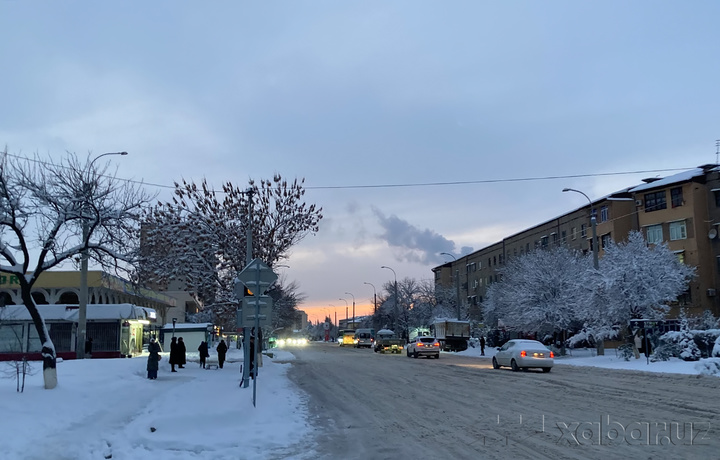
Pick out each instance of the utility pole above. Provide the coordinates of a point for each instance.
(248, 259)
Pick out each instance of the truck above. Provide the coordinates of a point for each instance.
(387, 341)
(453, 335)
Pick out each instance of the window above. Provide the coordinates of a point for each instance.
(654, 234)
(563, 236)
(676, 197)
(717, 197)
(544, 242)
(573, 233)
(583, 231)
(681, 256)
(655, 201)
(604, 214)
(605, 240)
(678, 230)
(555, 237)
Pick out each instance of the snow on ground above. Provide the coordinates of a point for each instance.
(107, 407)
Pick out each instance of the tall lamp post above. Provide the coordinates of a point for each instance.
(346, 311)
(457, 283)
(396, 290)
(83, 297)
(593, 223)
(353, 308)
(374, 297)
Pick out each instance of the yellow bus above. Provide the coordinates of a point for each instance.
(346, 337)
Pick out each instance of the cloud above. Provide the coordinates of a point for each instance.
(412, 244)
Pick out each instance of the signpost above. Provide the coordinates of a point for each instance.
(257, 276)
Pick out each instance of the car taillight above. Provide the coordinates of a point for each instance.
(436, 344)
(552, 355)
(420, 344)
(523, 354)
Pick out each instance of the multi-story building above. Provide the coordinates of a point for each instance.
(682, 210)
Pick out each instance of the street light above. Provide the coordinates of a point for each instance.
(353, 308)
(593, 223)
(396, 291)
(457, 282)
(346, 311)
(83, 297)
(374, 297)
(335, 313)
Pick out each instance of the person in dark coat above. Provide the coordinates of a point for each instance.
(221, 350)
(174, 358)
(182, 351)
(88, 347)
(153, 361)
(204, 353)
(482, 346)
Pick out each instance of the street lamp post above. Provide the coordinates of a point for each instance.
(457, 283)
(396, 290)
(346, 311)
(353, 308)
(83, 297)
(593, 223)
(374, 297)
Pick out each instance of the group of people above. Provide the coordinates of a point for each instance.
(178, 356)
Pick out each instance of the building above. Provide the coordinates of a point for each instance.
(120, 315)
(116, 330)
(682, 210)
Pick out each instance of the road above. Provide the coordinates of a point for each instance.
(370, 405)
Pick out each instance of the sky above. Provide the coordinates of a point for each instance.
(175, 415)
(419, 127)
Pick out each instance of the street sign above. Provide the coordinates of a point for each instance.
(246, 314)
(257, 276)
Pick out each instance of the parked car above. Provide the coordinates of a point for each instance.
(524, 354)
(424, 346)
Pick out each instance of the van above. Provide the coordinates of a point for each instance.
(364, 338)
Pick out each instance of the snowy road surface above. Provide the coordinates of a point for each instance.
(368, 405)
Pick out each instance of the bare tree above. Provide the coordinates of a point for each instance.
(199, 238)
(43, 205)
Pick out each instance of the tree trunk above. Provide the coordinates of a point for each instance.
(601, 347)
(48, 348)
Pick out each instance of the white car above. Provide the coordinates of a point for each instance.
(524, 354)
(423, 346)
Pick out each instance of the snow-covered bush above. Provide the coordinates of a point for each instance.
(684, 339)
(705, 339)
(716, 348)
(708, 367)
(626, 351)
(664, 352)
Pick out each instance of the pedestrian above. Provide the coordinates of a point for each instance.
(482, 346)
(88, 347)
(221, 350)
(204, 353)
(182, 352)
(174, 354)
(153, 361)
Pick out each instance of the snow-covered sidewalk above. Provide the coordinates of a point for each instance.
(109, 409)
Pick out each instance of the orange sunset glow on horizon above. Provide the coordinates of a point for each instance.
(319, 312)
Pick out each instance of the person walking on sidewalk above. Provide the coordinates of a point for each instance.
(174, 358)
(182, 351)
(221, 350)
(153, 361)
(204, 353)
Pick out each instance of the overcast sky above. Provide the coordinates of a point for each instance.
(346, 93)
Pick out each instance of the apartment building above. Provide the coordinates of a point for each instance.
(682, 210)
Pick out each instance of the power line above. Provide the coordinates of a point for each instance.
(411, 184)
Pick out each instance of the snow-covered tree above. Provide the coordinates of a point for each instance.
(539, 291)
(43, 205)
(199, 238)
(636, 281)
